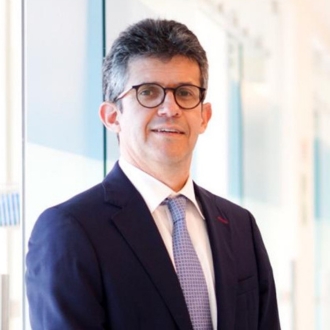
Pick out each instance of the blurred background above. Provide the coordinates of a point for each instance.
(267, 147)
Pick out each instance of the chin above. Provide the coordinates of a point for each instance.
(172, 158)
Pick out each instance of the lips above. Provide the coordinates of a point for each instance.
(168, 130)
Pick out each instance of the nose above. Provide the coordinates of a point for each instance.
(169, 107)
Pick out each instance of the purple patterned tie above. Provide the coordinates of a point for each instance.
(188, 267)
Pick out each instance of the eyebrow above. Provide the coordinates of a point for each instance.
(176, 85)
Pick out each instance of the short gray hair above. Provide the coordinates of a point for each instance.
(156, 38)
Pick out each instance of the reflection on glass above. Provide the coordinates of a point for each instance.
(322, 216)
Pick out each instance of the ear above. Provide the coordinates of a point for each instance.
(206, 115)
(109, 113)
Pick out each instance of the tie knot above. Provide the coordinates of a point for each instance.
(177, 207)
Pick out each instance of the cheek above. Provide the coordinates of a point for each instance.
(134, 127)
(197, 125)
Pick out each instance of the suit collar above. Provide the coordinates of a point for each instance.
(117, 188)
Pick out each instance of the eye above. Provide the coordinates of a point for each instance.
(187, 92)
(145, 91)
(149, 91)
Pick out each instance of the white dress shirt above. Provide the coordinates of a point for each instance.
(154, 193)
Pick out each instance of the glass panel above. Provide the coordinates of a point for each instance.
(322, 216)
(64, 136)
(11, 286)
(263, 161)
(322, 189)
(261, 132)
(235, 156)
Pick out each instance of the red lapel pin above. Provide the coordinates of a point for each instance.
(225, 221)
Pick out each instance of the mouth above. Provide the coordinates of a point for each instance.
(167, 131)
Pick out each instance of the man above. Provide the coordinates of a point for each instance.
(120, 256)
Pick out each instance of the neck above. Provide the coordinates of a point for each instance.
(174, 175)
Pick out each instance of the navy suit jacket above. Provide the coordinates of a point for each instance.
(97, 261)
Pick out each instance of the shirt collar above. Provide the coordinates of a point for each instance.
(152, 190)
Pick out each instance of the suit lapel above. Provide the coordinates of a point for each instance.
(219, 230)
(137, 226)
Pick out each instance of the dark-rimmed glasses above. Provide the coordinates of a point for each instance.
(151, 95)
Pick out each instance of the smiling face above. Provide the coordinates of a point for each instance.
(162, 137)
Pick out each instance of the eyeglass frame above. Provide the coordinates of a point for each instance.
(165, 89)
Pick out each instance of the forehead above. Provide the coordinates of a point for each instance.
(173, 71)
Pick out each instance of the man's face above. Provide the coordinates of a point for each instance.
(164, 135)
